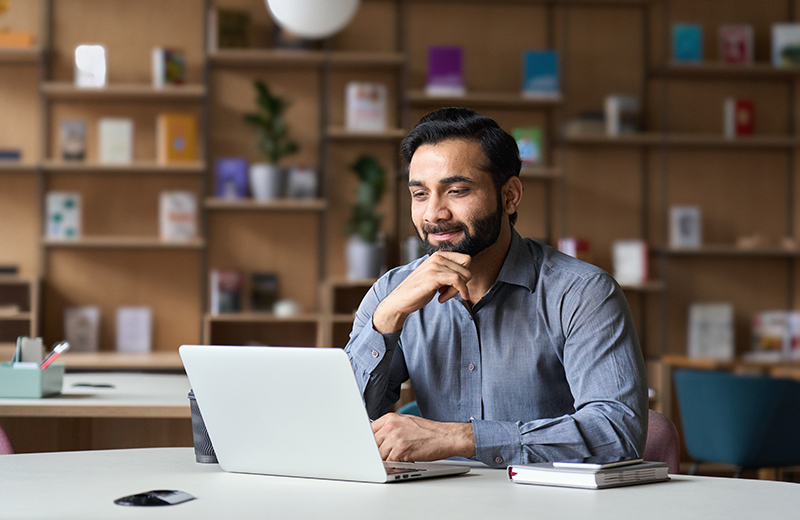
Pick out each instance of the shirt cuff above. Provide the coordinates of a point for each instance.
(497, 443)
(373, 347)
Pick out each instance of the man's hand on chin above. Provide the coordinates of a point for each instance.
(407, 438)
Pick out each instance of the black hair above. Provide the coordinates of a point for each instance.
(499, 148)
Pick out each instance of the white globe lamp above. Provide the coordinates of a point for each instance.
(312, 19)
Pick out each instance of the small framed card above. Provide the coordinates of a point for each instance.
(685, 227)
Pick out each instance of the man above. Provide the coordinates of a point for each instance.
(516, 352)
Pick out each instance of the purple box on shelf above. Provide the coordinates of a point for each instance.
(230, 178)
(445, 71)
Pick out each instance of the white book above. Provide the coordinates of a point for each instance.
(134, 329)
(116, 140)
(711, 333)
(366, 106)
(630, 259)
(177, 216)
(622, 114)
(590, 477)
(82, 328)
(785, 39)
(63, 215)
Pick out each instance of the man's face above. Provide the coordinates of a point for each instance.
(454, 204)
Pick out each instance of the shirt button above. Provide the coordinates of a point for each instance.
(470, 317)
(498, 459)
(471, 418)
(375, 353)
(471, 367)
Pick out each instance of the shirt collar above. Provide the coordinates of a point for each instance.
(520, 264)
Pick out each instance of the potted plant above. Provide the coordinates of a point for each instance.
(365, 250)
(266, 179)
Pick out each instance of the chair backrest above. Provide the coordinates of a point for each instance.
(663, 442)
(410, 409)
(747, 421)
(5, 443)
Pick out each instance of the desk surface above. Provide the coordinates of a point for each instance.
(130, 395)
(84, 484)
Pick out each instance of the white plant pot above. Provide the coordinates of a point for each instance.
(364, 259)
(266, 181)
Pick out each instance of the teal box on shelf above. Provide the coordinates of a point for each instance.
(30, 381)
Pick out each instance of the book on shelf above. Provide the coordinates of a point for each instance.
(115, 140)
(225, 287)
(529, 142)
(365, 106)
(301, 182)
(228, 29)
(589, 477)
(685, 227)
(710, 331)
(540, 74)
(10, 38)
(230, 178)
(82, 328)
(63, 215)
(687, 43)
(73, 140)
(575, 247)
(775, 336)
(177, 216)
(786, 44)
(738, 118)
(177, 138)
(169, 67)
(10, 154)
(90, 66)
(621, 114)
(134, 328)
(263, 291)
(736, 44)
(445, 71)
(631, 261)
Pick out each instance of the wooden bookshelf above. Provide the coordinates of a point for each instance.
(121, 242)
(308, 205)
(483, 99)
(340, 133)
(144, 92)
(141, 167)
(21, 56)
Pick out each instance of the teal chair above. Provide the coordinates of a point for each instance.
(746, 421)
(410, 409)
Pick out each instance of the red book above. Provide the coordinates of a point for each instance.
(739, 117)
(736, 44)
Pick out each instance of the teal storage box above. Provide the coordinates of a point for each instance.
(30, 381)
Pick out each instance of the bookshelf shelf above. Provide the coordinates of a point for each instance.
(19, 316)
(194, 168)
(543, 173)
(304, 59)
(652, 286)
(483, 99)
(732, 251)
(15, 166)
(143, 92)
(21, 56)
(341, 133)
(370, 60)
(725, 71)
(640, 139)
(261, 317)
(312, 205)
(679, 140)
(122, 242)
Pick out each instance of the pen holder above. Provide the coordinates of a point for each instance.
(30, 381)
(203, 450)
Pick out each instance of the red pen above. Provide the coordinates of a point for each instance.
(57, 350)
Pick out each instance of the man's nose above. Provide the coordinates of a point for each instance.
(437, 209)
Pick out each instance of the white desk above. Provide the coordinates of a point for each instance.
(83, 485)
(137, 410)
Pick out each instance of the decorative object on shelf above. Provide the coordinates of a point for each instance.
(63, 215)
(365, 106)
(177, 138)
(687, 43)
(775, 336)
(529, 142)
(312, 19)
(82, 328)
(116, 140)
(134, 327)
(90, 66)
(621, 114)
(710, 333)
(786, 44)
(685, 227)
(286, 308)
(631, 262)
(266, 179)
(739, 118)
(226, 291)
(177, 211)
(73, 140)
(736, 44)
(263, 291)
(412, 249)
(169, 67)
(540, 74)
(576, 247)
(10, 154)
(445, 71)
(228, 29)
(364, 249)
(301, 182)
(230, 178)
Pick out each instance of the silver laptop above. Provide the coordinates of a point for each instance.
(291, 412)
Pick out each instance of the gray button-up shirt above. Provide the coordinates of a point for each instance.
(546, 366)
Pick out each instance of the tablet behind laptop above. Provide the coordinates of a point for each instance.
(291, 412)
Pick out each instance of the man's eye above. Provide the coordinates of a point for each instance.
(418, 195)
(459, 191)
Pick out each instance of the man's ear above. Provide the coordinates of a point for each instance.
(512, 195)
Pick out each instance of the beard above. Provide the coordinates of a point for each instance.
(486, 230)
